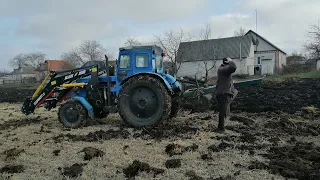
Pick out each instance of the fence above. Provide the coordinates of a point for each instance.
(18, 81)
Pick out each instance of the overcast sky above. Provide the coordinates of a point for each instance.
(53, 27)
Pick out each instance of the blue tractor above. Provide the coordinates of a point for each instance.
(138, 89)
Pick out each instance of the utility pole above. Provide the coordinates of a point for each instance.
(256, 29)
(256, 21)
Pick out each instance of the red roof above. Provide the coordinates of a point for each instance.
(55, 65)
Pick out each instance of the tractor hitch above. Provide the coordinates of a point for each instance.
(198, 97)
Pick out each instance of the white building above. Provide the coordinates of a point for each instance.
(196, 57)
(23, 74)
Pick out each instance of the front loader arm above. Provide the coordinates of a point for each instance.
(55, 88)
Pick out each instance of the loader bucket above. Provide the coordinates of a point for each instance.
(27, 108)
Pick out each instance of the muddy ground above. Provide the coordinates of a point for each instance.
(15, 94)
(260, 144)
(289, 96)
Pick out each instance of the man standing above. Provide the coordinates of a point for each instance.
(225, 91)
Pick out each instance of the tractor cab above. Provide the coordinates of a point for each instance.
(139, 59)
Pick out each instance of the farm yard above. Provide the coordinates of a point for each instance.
(273, 133)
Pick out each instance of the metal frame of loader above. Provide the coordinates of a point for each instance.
(58, 82)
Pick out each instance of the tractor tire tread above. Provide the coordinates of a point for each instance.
(156, 82)
(83, 114)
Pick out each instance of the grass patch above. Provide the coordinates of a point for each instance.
(282, 77)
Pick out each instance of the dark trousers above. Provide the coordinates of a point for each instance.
(224, 102)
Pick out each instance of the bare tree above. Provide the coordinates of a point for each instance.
(170, 42)
(210, 60)
(312, 46)
(206, 32)
(131, 41)
(240, 32)
(29, 59)
(18, 60)
(87, 51)
(73, 57)
(110, 55)
(34, 59)
(209, 56)
(92, 50)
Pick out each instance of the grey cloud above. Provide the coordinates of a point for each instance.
(138, 10)
(286, 22)
(58, 25)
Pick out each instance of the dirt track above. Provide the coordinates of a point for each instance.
(262, 145)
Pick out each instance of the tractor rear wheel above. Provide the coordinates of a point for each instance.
(144, 101)
(72, 114)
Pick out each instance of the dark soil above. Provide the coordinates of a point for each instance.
(56, 152)
(245, 120)
(11, 153)
(173, 163)
(174, 149)
(228, 177)
(13, 124)
(193, 176)
(284, 126)
(274, 96)
(301, 161)
(278, 96)
(248, 137)
(167, 131)
(227, 138)
(94, 136)
(207, 156)
(74, 170)
(14, 95)
(12, 169)
(91, 152)
(251, 147)
(177, 149)
(239, 165)
(257, 165)
(133, 169)
(221, 147)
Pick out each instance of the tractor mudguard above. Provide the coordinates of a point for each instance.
(168, 80)
(85, 104)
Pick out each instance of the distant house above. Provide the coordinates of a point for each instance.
(23, 74)
(196, 57)
(268, 57)
(51, 65)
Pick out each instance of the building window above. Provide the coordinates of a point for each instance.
(259, 60)
(142, 60)
(124, 61)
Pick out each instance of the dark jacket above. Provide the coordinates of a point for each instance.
(224, 82)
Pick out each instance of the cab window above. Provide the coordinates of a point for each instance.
(142, 60)
(124, 61)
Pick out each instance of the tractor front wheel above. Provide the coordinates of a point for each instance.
(144, 101)
(72, 114)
